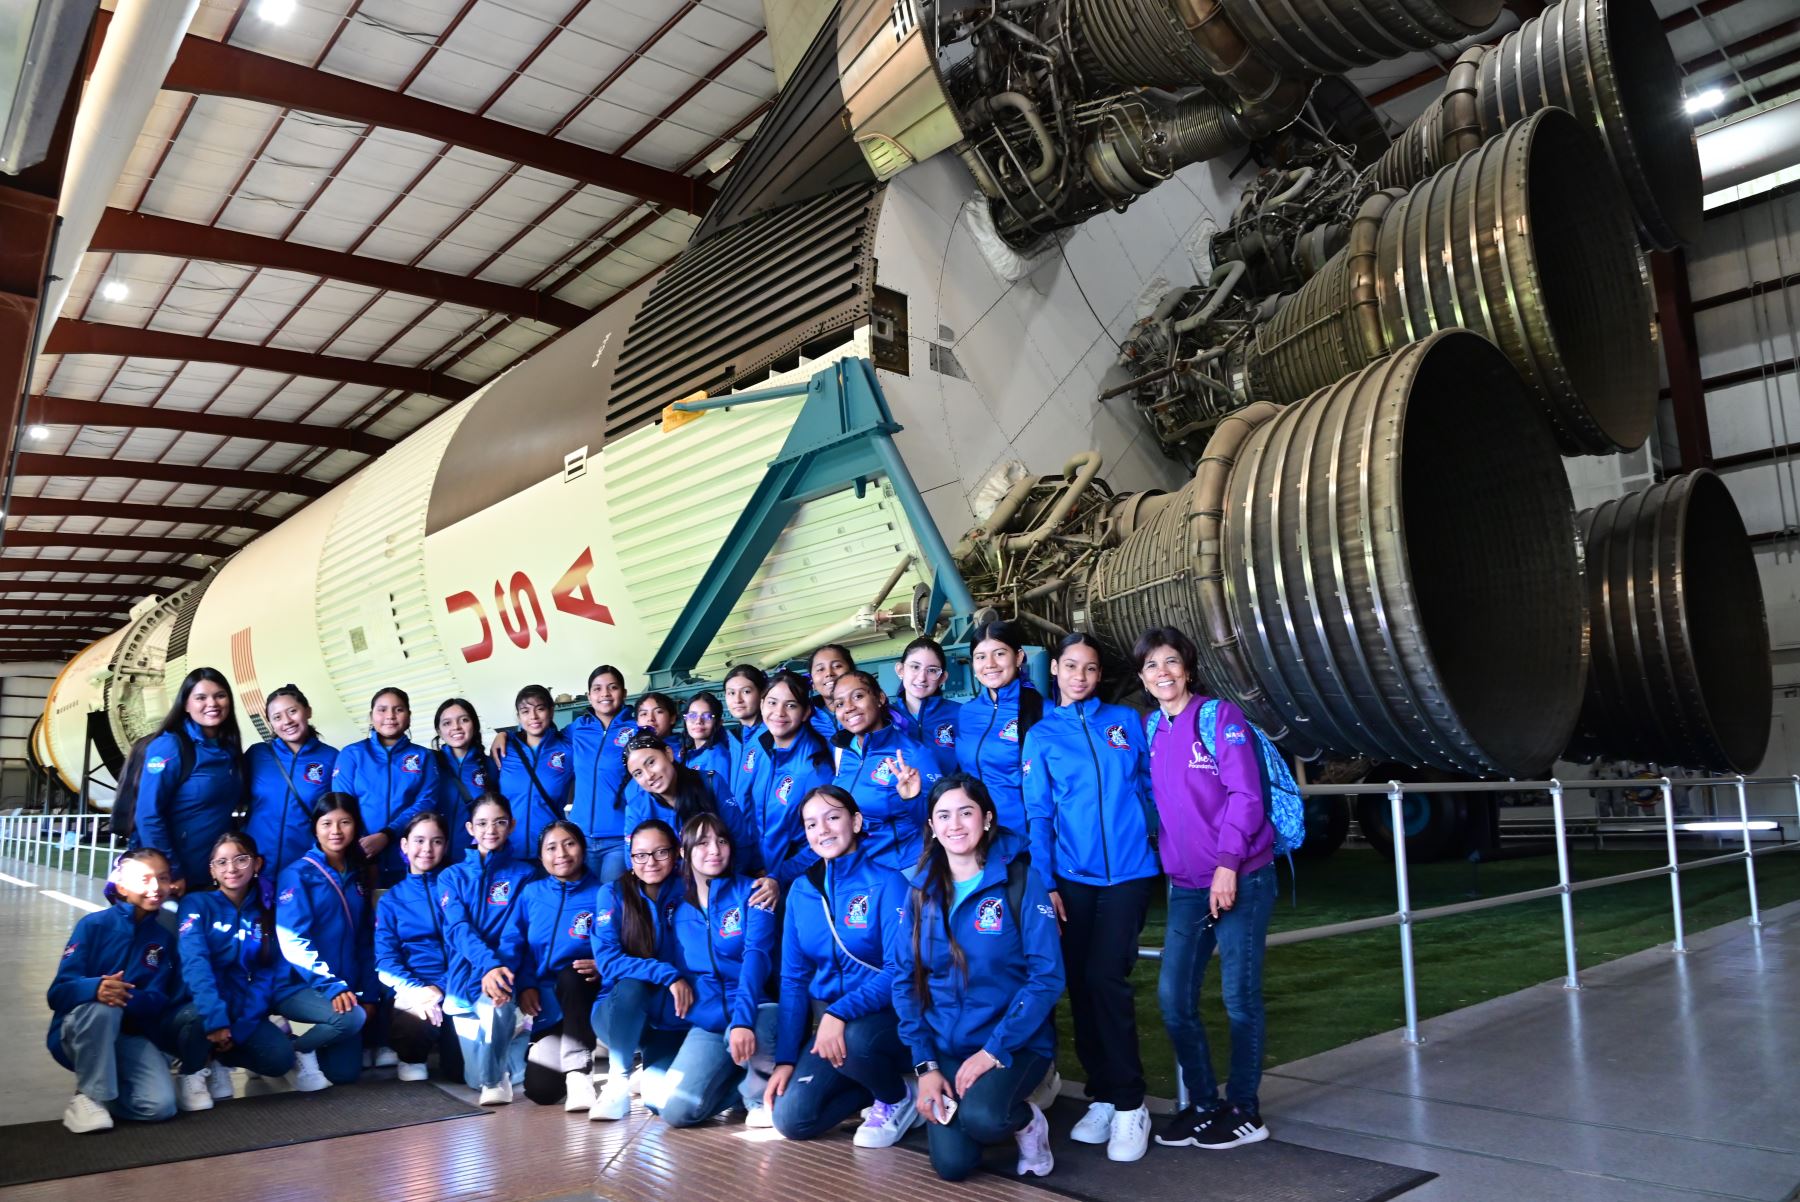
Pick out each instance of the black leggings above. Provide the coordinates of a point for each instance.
(414, 1039)
(562, 1047)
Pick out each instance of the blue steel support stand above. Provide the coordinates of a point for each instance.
(842, 438)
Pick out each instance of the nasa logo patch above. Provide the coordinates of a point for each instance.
(412, 762)
(155, 764)
(287, 895)
(731, 923)
(946, 734)
(857, 913)
(1235, 734)
(314, 774)
(70, 950)
(499, 893)
(988, 916)
(1010, 732)
(1117, 738)
(584, 925)
(1025, 768)
(603, 919)
(189, 922)
(784, 790)
(556, 761)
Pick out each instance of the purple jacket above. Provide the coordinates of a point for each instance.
(1212, 812)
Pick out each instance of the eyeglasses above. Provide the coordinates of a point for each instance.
(702, 716)
(661, 855)
(928, 672)
(492, 824)
(232, 862)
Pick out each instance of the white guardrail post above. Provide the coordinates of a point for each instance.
(1571, 976)
(1403, 896)
(1668, 797)
(1749, 852)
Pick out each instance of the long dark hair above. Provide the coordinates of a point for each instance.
(175, 722)
(354, 859)
(939, 886)
(637, 930)
(751, 673)
(818, 750)
(696, 829)
(868, 681)
(567, 828)
(292, 691)
(146, 854)
(437, 741)
(606, 670)
(690, 794)
(718, 731)
(844, 800)
(1082, 639)
(264, 896)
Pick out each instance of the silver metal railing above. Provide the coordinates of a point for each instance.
(80, 843)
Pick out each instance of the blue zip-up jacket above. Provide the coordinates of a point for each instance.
(109, 941)
(893, 827)
(725, 951)
(865, 903)
(600, 775)
(284, 785)
(479, 936)
(746, 749)
(390, 784)
(410, 954)
(533, 809)
(771, 798)
(615, 964)
(1003, 1003)
(222, 960)
(555, 921)
(823, 720)
(460, 784)
(183, 816)
(934, 727)
(988, 747)
(746, 852)
(326, 925)
(716, 759)
(1087, 789)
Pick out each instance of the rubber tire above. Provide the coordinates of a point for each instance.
(1327, 826)
(1433, 823)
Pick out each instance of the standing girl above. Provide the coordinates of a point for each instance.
(705, 745)
(111, 998)
(555, 920)
(1087, 797)
(884, 769)
(410, 955)
(791, 760)
(976, 978)
(325, 925)
(285, 778)
(391, 777)
(656, 711)
(598, 739)
(922, 710)
(642, 998)
(464, 773)
(1218, 849)
(836, 986)
(828, 663)
(192, 780)
(484, 954)
(538, 771)
(745, 685)
(991, 726)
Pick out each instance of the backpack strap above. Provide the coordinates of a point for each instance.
(1031, 711)
(1206, 725)
(1017, 869)
(451, 770)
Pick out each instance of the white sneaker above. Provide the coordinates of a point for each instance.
(636, 1082)
(613, 1101)
(219, 1084)
(1034, 1146)
(887, 1122)
(413, 1072)
(497, 1095)
(1130, 1134)
(580, 1087)
(190, 1092)
(83, 1115)
(306, 1076)
(386, 1058)
(760, 1117)
(1096, 1126)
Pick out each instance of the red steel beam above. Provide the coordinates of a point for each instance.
(70, 337)
(61, 507)
(1687, 16)
(37, 464)
(153, 543)
(140, 233)
(102, 610)
(70, 411)
(209, 68)
(17, 564)
(50, 623)
(74, 588)
(1681, 352)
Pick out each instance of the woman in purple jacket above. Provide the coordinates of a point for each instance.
(1218, 850)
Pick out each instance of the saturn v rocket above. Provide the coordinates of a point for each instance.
(1006, 208)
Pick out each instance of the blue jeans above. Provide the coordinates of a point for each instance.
(819, 1097)
(622, 1022)
(997, 1105)
(1240, 935)
(128, 1074)
(268, 1052)
(698, 1081)
(335, 1037)
(493, 1046)
(607, 858)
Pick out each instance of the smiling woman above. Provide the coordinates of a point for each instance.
(190, 784)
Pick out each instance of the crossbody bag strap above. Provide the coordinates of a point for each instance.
(831, 925)
(335, 888)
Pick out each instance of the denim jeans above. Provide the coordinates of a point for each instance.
(819, 1097)
(698, 1081)
(607, 858)
(622, 1023)
(493, 1044)
(1240, 935)
(268, 1052)
(128, 1074)
(994, 1107)
(335, 1037)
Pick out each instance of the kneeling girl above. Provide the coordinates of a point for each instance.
(554, 920)
(410, 955)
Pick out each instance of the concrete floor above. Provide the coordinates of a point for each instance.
(1663, 1078)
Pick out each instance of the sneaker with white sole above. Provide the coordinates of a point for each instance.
(1184, 1128)
(1130, 1136)
(497, 1095)
(219, 1083)
(190, 1092)
(613, 1102)
(888, 1122)
(1232, 1127)
(83, 1115)
(636, 1082)
(759, 1117)
(386, 1058)
(579, 1087)
(1035, 1159)
(1094, 1127)
(413, 1072)
(306, 1076)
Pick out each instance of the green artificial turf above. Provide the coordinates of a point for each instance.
(1329, 992)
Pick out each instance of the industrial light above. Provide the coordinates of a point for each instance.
(38, 433)
(114, 290)
(1709, 99)
(276, 12)
(1759, 825)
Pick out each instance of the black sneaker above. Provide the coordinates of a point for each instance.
(1230, 1127)
(1183, 1131)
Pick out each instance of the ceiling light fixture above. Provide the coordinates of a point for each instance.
(276, 12)
(114, 290)
(1709, 99)
(38, 433)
